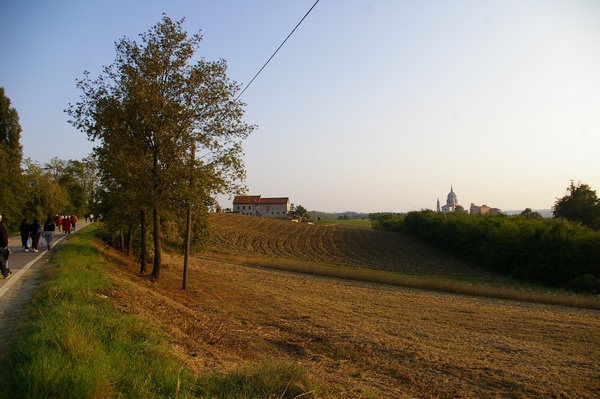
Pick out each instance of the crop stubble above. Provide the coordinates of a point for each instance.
(358, 339)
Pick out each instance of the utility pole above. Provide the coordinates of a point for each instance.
(188, 235)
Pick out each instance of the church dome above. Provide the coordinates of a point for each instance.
(452, 198)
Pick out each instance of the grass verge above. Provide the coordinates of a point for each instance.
(75, 344)
(489, 288)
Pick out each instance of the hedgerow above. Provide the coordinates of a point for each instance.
(555, 252)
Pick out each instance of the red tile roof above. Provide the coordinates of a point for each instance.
(282, 200)
(246, 199)
(256, 199)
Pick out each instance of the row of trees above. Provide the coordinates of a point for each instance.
(563, 251)
(169, 134)
(34, 191)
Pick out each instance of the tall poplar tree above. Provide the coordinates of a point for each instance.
(11, 156)
(148, 110)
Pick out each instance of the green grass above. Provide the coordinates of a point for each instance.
(75, 344)
(274, 379)
(349, 222)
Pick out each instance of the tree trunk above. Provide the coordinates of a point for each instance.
(143, 242)
(188, 238)
(122, 237)
(129, 238)
(157, 245)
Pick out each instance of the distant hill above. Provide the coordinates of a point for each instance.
(336, 244)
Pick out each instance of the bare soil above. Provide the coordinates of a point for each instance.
(361, 340)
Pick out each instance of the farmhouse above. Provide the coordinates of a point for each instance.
(255, 205)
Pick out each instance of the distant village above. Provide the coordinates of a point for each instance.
(453, 206)
(280, 207)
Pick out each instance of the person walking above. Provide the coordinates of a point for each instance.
(74, 221)
(4, 251)
(35, 230)
(49, 229)
(66, 225)
(58, 221)
(24, 230)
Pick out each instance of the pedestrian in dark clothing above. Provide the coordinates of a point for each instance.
(49, 229)
(35, 231)
(24, 229)
(4, 251)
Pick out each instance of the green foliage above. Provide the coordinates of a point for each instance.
(550, 251)
(299, 211)
(11, 154)
(44, 196)
(170, 131)
(387, 221)
(529, 214)
(267, 380)
(76, 345)
(585, 283)
(348, 215)
(581, 204)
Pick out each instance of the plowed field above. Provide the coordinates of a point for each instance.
(332, 244)
(358, 340)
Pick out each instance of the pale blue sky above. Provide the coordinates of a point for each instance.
(370, 106)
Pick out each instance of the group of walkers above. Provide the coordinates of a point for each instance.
(35, 231)
(66, 223)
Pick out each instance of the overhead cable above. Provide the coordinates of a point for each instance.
(281, 45)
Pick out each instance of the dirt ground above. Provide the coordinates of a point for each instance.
(363, 340)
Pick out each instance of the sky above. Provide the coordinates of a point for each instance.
(370, 106)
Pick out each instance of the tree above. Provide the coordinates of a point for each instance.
(44, 196)
(301, 211)
(148, 110)
(581, 204)
(529, 214)
(78, 178)
(11, 156)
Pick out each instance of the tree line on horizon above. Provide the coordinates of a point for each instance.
(562, 252)
(31, 190)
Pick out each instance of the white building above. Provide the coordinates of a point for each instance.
(254, 205)
(451, 202)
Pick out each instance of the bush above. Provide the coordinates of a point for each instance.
(585, 283)
(548, 251)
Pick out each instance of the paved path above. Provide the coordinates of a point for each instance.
(19, 289)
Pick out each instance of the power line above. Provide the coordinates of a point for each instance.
(281, 45)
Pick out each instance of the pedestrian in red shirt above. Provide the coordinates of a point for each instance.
(66, 225)
(58, 221)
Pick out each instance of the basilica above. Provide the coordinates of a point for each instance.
(451, 202)
(452, 205)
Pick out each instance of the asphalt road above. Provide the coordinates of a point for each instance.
(19, 289)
